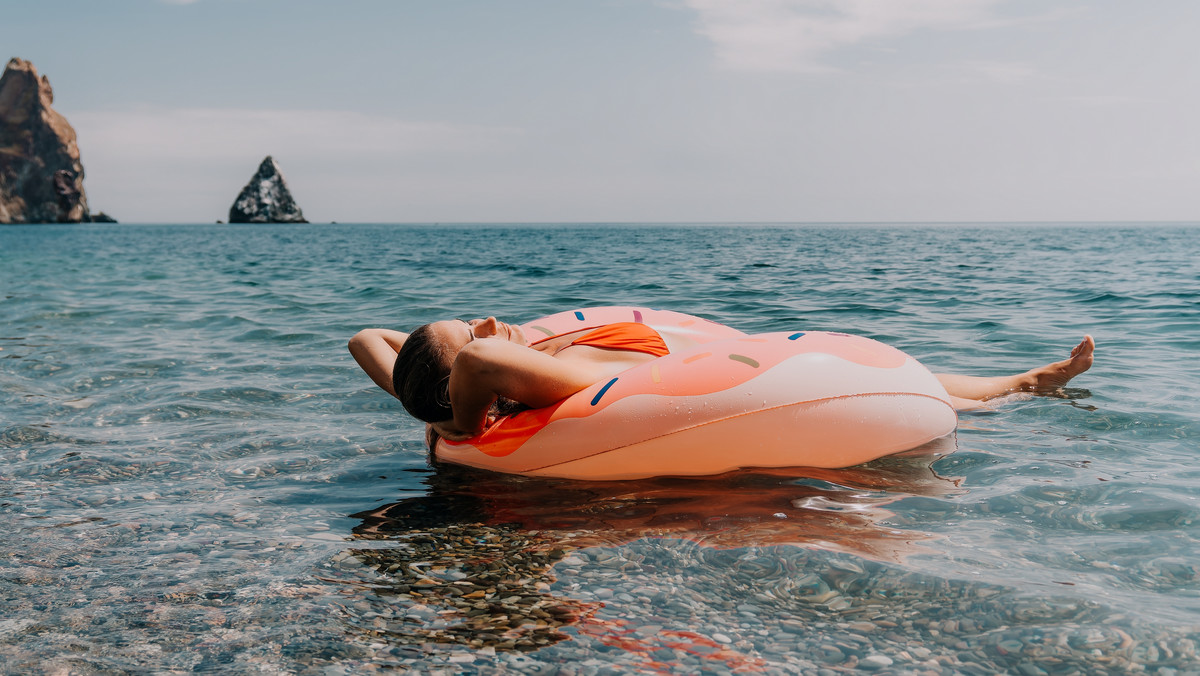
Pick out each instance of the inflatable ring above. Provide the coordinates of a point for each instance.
(721, 400)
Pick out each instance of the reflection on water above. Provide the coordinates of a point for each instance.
(473, 561)
(830, 509)
(797, 569)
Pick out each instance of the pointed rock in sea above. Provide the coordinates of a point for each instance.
(266, 198)
(41, 177)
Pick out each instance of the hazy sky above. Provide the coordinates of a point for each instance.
(630, 110)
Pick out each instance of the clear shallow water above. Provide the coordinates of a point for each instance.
(194, 475)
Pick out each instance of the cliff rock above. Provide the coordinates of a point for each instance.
(266, 198)
(41, 177)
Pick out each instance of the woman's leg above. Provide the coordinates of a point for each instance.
(1042, 379)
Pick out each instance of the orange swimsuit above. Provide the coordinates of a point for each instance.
(629, 336)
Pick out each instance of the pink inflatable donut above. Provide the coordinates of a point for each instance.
(721, 400)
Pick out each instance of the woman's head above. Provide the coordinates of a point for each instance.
(421, 374)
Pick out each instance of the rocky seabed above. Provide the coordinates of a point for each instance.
(444, 601)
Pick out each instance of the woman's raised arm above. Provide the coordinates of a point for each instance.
(487, 369)
(375, 351)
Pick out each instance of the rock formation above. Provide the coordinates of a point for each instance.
(41, 177)
(266, 198)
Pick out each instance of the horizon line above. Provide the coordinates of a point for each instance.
(683, 222)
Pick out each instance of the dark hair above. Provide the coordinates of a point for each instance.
(421, 376)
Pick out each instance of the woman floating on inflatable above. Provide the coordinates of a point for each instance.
(624, 393)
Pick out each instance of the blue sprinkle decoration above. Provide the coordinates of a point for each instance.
(795, 335)
(596, 399)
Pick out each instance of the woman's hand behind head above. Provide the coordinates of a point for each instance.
(447, 430)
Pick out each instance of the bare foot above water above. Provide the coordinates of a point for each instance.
(1052, 377)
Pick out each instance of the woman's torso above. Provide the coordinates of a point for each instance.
(610, 356)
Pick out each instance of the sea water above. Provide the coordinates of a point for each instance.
(194, 474)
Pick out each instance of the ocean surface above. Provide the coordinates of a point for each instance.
(195, 476)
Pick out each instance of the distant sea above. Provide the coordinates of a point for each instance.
(195, 476)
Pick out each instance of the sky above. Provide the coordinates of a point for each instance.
(630, 110)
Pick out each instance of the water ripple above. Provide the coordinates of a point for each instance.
(188, 447)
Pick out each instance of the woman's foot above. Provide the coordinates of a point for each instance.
(1046, 379)
(1052, 377)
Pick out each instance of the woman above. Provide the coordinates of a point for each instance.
(455, 375)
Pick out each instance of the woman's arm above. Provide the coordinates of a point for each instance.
(486, 369)
(375, 351)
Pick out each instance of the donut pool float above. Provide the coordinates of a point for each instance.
(721, 400)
